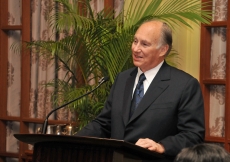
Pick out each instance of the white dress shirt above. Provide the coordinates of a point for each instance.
(150, 75)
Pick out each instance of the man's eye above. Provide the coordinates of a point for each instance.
(134, 41)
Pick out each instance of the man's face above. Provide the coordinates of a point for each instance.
(146, 52)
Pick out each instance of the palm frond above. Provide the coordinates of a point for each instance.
(171, 11)
(70, 15)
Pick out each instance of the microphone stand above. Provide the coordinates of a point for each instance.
(45, 124)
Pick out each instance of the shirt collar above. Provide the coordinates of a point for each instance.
(150, 74)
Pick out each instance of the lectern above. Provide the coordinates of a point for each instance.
(64, 148)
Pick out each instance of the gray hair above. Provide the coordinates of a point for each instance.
(166, 37)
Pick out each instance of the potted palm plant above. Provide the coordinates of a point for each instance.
(99, 45)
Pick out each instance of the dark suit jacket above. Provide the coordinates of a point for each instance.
(171, 111)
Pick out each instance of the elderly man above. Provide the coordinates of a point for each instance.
(153, 105)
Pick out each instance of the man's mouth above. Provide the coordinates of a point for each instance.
(137, 56)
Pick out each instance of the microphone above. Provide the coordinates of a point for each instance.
(45, 124)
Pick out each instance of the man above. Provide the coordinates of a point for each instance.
(170, 115)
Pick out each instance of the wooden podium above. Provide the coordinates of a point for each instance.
(64, 148)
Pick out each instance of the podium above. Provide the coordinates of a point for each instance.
(65, 148)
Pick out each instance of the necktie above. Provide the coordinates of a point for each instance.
(138, 94)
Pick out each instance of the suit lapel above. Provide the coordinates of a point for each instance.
(158, 85)
(128, 95)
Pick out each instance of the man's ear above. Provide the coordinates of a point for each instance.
(164, 50)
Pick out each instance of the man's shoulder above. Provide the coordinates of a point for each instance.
(182, 73)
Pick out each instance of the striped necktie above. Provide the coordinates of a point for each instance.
(138, 94)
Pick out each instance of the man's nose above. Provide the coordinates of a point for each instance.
(136, 48)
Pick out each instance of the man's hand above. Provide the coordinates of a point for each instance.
(150, 144)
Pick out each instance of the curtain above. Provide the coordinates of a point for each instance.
(218, 71)
(14, 79)
(42, 70)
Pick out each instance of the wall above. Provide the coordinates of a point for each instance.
(187, 42)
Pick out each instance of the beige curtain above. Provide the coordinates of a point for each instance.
(218, 71)
(14, 79)
(42, 70)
